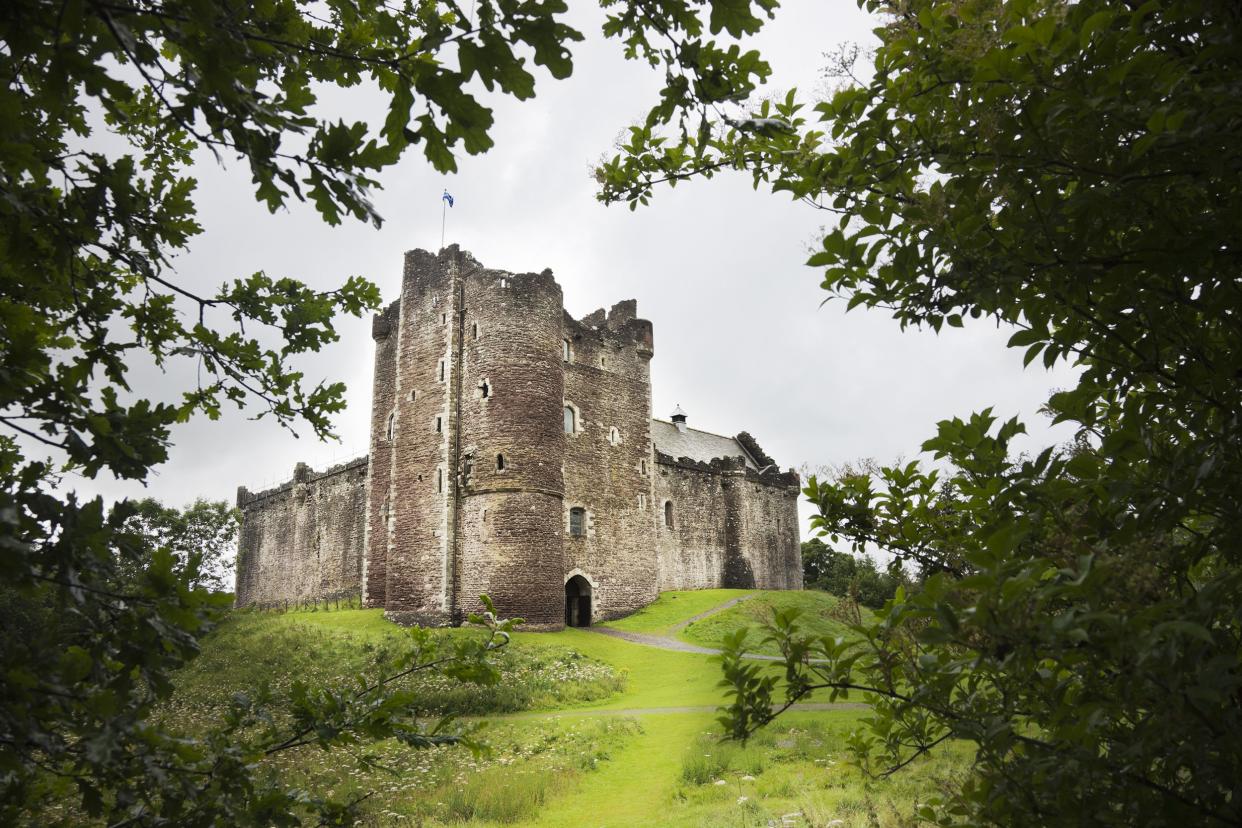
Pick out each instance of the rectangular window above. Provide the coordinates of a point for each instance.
(577, 522)
(439, 425)
(441, 371)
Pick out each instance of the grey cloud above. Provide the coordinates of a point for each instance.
(741, 341)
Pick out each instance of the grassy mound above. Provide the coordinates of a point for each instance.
(528, 764)
(799, 772)
(821, 615)
(250, 650)
(672, 608)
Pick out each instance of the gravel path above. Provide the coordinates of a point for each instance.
(663, 642)
(667, 642)
(681, 625)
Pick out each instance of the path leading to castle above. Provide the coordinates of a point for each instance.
(667, 642)
(673, 696)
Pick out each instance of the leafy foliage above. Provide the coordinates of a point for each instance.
(1070, 170)
(848, 576)
(202, 536)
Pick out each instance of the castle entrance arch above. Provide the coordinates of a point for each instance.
(577, 602)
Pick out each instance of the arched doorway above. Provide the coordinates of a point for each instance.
(577, 602)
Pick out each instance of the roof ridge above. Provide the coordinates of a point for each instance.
(699, 430)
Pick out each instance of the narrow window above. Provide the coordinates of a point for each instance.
(569, 420)
(487, 390)
(474, 330)
(483, 526)
(614, 436)
(439, 425)
(577, 522)
(603, 363)
(435, 301)
(565, 350)
(441, 370)
(444, 319)
(439, 480)
(642, 467)
(413, 396)
(668, 513)
(642, 501)
(504, 283)
(500, 462)
(392, 421)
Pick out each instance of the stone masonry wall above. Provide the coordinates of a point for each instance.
(303, 541)
(732, 527)
(690, 554)
(384, 330)
(769, 531)
(508, 530)
(608, 461)
(421, 483)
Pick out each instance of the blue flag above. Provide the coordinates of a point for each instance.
(447, 197)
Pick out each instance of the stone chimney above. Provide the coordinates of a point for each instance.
(679, 419)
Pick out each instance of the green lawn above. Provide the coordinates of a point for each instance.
(253, 649)
(821, 615)
(673, 607)
(595, 744)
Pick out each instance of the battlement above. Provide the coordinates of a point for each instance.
(302, 474)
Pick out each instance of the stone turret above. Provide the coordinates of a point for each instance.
(511, 446)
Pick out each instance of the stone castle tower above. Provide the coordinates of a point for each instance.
(513, 453)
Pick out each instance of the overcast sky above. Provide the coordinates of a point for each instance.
(741, 341)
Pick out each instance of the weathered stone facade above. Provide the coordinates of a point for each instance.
(513, 453)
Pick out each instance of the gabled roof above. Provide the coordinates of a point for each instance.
(702, 446)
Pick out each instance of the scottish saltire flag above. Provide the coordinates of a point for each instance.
(447, 197)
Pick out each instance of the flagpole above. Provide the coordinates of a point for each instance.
(443, 213)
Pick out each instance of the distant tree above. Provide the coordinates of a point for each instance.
(846, 575)
(1071, 170)
(202, 537)
(102, 106)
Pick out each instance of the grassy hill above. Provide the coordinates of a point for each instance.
(252, 649)
(585, 730)
(821, 614)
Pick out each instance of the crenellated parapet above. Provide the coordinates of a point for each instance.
(303, 475)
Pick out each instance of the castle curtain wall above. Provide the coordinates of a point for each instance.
(768, 532)
(691, 553)
(303, 541)
(732, 527)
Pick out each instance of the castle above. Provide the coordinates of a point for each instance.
(513, 453)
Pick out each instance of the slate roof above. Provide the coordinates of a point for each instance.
(702, 446)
